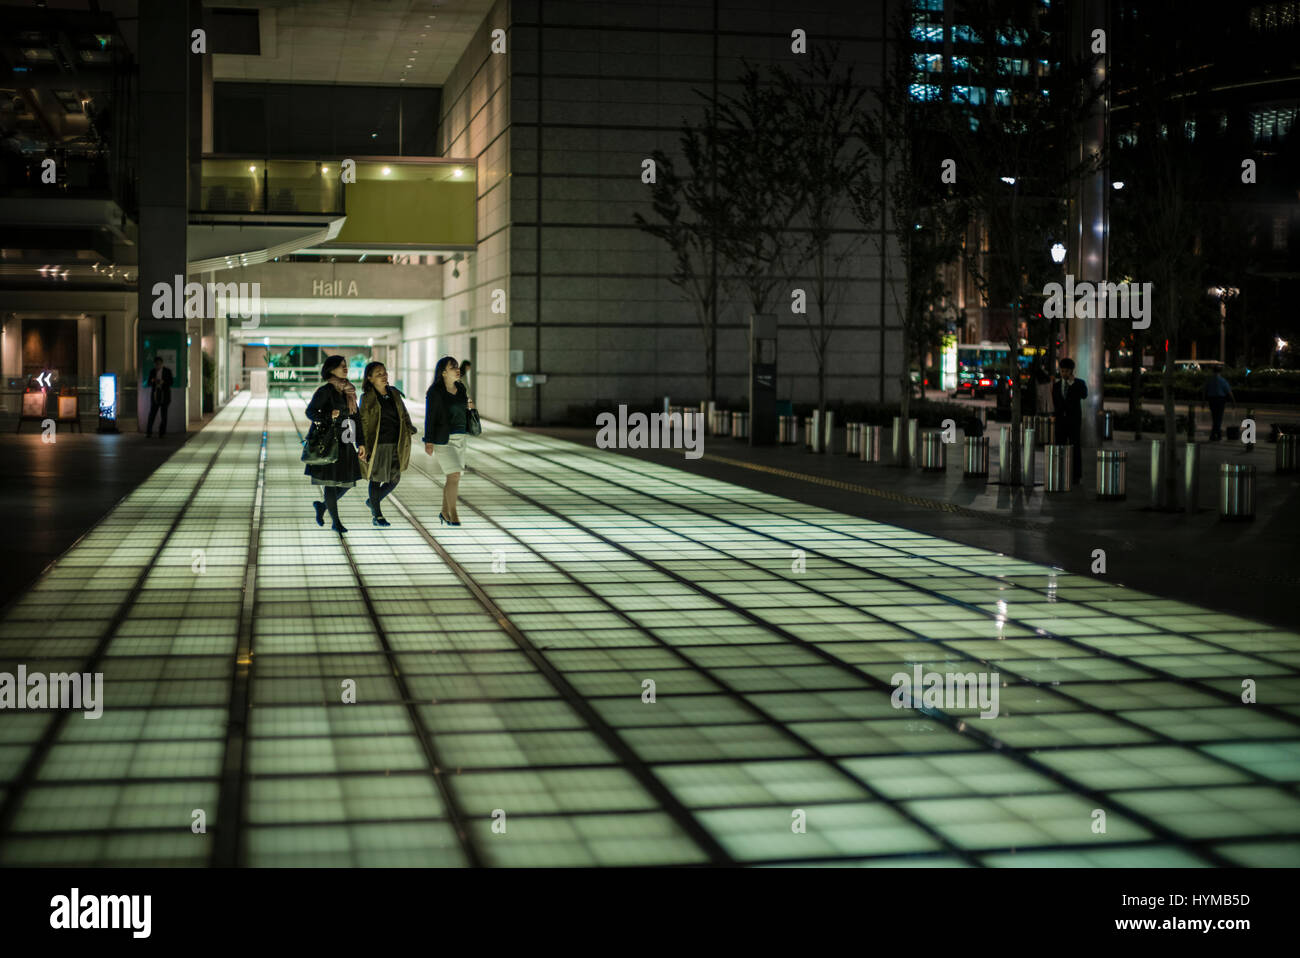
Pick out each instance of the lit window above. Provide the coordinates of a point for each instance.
(1189, 129)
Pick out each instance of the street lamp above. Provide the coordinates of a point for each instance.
(1223, 293)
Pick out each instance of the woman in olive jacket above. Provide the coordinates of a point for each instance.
(387, 429)
(336, 400)
(446, 428)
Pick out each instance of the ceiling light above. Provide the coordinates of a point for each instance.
(324, 169)
(458, 172)
(387, 170)
(252, 169)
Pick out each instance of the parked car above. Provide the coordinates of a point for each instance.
(976, 382)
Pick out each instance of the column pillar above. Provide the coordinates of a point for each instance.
(1090, 216)
(164, 40)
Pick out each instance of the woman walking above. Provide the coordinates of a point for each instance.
(386, 430)
(447, 410)
(336, 400)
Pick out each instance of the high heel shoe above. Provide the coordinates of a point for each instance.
(444, 521)
(320, 512)
(380, 521)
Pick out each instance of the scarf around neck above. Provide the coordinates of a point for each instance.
(345, 386)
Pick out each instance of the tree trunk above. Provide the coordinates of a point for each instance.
(1135, 388)
(1013, 347)
(904, 406)
(1171, 427)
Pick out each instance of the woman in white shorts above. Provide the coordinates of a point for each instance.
(446, 431)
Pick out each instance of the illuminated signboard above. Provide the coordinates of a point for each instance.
(108, 396)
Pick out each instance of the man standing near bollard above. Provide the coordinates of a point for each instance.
(1217, 393)
(1068, 395)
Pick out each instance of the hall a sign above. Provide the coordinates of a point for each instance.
(325, 287)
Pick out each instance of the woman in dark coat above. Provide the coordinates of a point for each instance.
(446, 428)
(336, 402)
(386, 430)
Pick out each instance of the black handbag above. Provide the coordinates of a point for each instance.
(321, 447)
(475, 425)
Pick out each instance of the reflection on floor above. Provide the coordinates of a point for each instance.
(611, 663)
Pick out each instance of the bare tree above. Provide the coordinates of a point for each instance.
(834, 185)
(687, 219)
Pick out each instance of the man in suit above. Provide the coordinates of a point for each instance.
(1068, 395)
(160, 396)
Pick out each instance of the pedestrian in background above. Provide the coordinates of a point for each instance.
(386, 430)
(334, 401)
(1068, 395)
(160, 396)
(1217, 393)
(448, 411)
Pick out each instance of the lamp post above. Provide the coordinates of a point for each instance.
(1058, 257)
(1224, 293)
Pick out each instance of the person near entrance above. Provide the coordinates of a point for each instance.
(160, 396)
(1217, 393)
(387, 429)
(1068, 394)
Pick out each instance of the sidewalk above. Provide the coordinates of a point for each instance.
(53, 493)
(1247, 568)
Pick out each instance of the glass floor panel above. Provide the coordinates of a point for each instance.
(613, 662)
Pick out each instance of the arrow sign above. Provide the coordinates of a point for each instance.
(44, 378)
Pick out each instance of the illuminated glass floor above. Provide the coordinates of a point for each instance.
(502, 674)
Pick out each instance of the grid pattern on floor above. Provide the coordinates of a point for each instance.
(770, 630)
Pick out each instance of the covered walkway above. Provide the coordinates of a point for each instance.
(502, 675)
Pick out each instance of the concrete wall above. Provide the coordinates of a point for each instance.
(594, 88)
(476, 123)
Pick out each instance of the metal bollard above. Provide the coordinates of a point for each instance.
(828, 434)
(810, 433)
(789, 430)
(869, 447)
(1107, 430)
(1159, 489)
(1191, 477)
(1112, 474)
(740, 425)
(934, 457)
(910, 439)
(1057, 462)
(977, 458)
(1027, 460)
(1285, 456)
(1236, 491)
(852, 438)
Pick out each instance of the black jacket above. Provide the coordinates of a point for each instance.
(1069, 404)
(160, 384)
(348, 467)
(437, 420)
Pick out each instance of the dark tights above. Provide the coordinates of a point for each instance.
(378, 492)
(332, 496)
